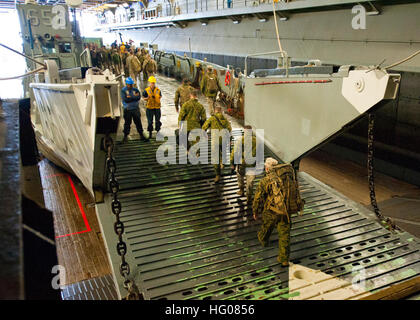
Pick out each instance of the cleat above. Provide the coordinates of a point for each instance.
(240, 193)
(217, 179)
(125, 139)
(143, 138)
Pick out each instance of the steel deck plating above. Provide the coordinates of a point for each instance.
(189, 238)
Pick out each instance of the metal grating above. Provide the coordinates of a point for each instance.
(100, 288)
(189, 238)
(138, 168)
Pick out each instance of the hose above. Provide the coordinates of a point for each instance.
(24, 55)
(403, 60)
(23, 75)
(277, 30)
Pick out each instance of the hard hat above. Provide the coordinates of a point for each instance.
(209, 68)
(129, 80)
(152, 79)
(197, 64)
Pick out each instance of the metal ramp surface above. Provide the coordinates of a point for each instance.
(189, 238)
(99, 288)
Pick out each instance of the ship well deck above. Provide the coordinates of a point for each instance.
(191, 239)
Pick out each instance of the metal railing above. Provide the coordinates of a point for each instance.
(186, 7)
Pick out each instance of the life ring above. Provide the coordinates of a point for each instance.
(227, 78)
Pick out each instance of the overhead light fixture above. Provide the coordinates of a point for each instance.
(203, 23)
(263, 20)
(373, 10)
(282, 17)
(168, 26)
(372, 13)
(236, 21)
(181, 24)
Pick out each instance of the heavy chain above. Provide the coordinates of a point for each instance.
(111, 167)
(389, 224)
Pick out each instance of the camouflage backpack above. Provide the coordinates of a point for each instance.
(212, 86)
(150, 66)
(283, 188)
(136, 64)
(184, 94)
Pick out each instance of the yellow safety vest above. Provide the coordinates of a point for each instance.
(153, 103)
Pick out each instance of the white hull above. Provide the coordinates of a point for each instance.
(70, 121)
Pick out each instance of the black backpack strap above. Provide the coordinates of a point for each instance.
(218, 120)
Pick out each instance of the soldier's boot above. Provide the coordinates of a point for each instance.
(264, 244)
(142, 137)
(125, 139)
(217, 179)
(240, 192)
(283, 263)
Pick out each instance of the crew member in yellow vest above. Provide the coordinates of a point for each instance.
(152, 95)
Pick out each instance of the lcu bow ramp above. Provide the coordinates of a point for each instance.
(188, 238)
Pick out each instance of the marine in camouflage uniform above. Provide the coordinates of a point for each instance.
(241, 169)
(141, 55)
(193, 113)
(149, 67)
(210, 86)
(116, 62)
(124, 56)
(105, 58)
(134, 66)
(219, 122)
(270, 218)
(182, 94)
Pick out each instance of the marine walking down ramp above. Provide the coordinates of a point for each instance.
(188, 237)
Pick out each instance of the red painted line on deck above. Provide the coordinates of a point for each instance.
(85, 220)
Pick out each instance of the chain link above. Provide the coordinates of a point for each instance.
(389, 223)
(116, 208)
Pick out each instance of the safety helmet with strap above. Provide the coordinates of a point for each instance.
(129, 80)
